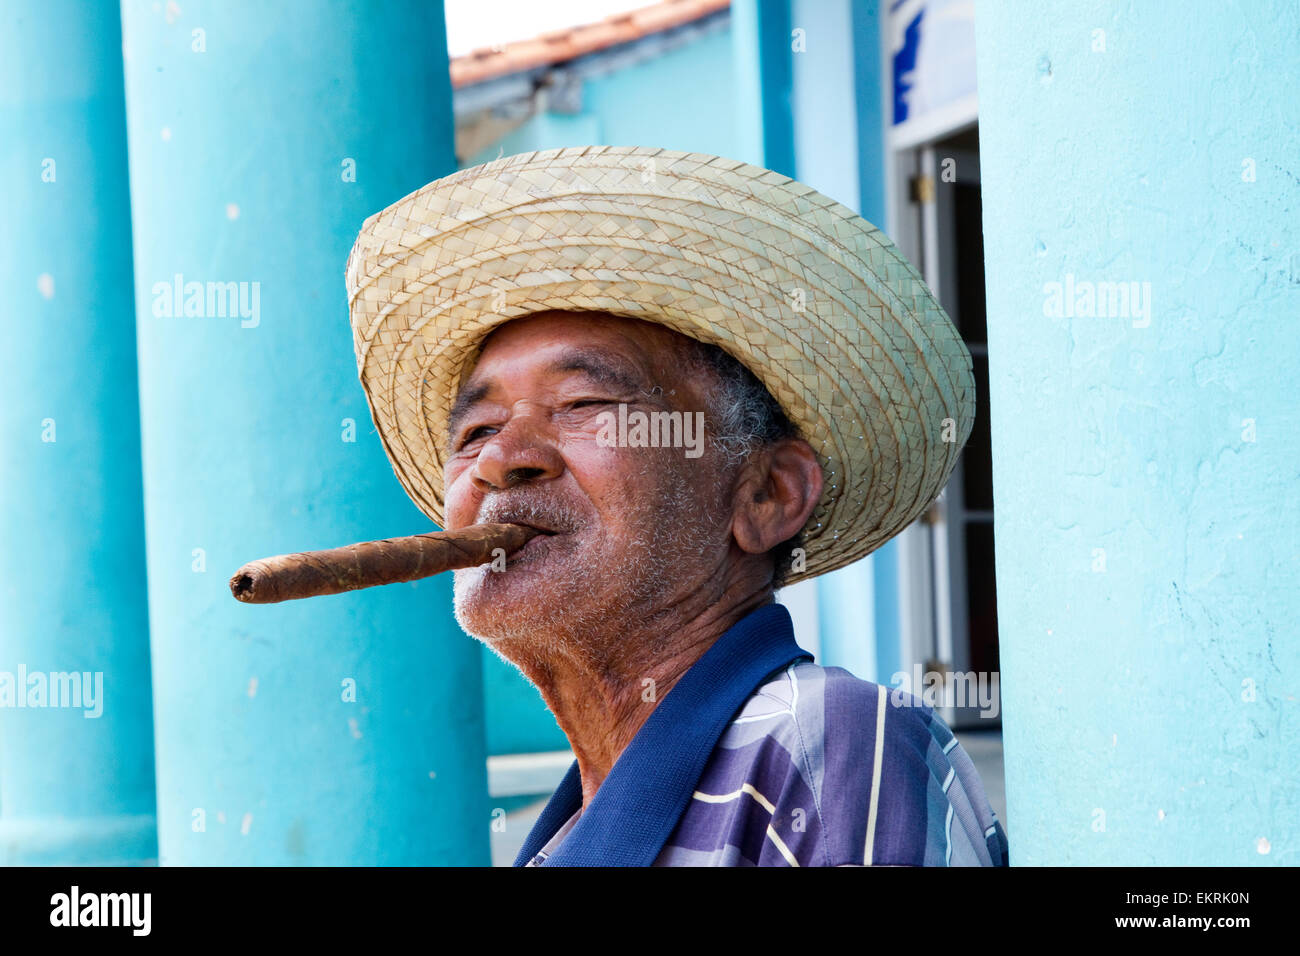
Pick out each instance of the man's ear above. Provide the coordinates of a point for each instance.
(776, 492)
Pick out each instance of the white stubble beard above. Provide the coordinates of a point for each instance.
(572, 615)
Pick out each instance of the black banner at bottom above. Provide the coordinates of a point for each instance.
(336, 905)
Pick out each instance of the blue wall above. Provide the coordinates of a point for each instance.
(762, 52)
(1145, 466)
(656, 102)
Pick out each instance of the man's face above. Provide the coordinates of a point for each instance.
(636, 529)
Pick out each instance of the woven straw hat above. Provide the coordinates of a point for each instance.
(815, 300)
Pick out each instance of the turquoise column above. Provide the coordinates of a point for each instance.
(1143, 292)
(338, 730)
(76, 779)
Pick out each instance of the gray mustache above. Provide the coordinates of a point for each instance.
(549, 515)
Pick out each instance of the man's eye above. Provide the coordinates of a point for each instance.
(591, 401)
(476, 433)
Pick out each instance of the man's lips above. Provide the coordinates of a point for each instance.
(532, 543)
(528, 524)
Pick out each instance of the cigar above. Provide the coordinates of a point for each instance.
(287, 577)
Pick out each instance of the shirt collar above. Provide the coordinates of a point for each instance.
(639, 803)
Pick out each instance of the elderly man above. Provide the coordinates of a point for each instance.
(510, 321)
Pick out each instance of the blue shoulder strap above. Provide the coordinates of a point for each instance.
(639, 803)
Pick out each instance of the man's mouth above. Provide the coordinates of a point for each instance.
(534, 543)
(528, 524)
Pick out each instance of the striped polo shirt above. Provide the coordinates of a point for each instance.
(787, 765)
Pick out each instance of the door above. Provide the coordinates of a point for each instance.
(949, 591)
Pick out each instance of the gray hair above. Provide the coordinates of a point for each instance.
(745, 418)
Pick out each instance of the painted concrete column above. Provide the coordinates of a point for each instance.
(1143, 263)
(338, 730)
(76, 744)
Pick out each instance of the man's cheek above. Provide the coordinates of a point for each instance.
(621, 482)
(593, 462)
(460, 500)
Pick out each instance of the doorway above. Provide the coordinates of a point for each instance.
(948, 598)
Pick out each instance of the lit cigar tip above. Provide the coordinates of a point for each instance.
(243, 586)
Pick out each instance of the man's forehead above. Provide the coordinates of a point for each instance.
(583, 329)
(594, 343)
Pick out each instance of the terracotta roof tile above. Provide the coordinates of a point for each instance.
(556, 46)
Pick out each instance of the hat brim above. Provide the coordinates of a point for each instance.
(811, 297)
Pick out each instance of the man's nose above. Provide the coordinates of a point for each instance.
(520, 451)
